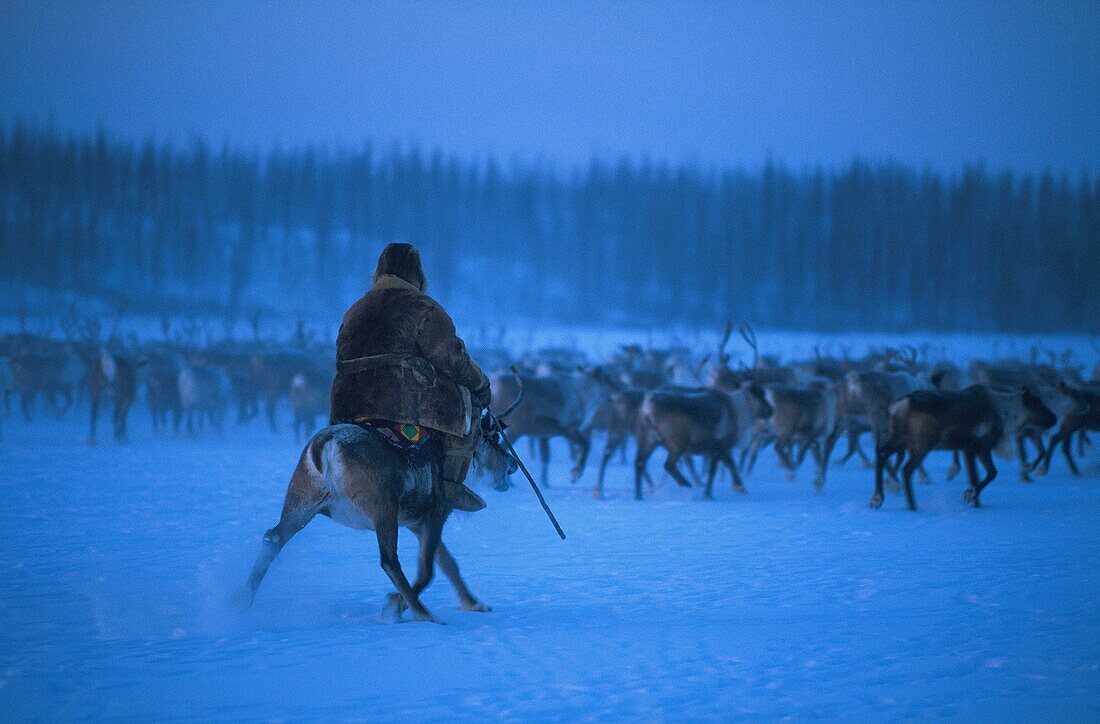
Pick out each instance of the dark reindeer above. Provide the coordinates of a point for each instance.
(353, 476)
(972, 421)
(807, 419)
(705, 422)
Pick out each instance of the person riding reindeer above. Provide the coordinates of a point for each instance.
(400, 367)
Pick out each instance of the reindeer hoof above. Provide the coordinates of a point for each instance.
(395, 605)
(475, 607)
(426, 615)
(708, 496)
(597, 494)
(242, 599)
(952, 472)
(819, 485)
(790, 476)
(740, 489)
(574, 475)
(893, 485)
(969, 496)
(876, 501)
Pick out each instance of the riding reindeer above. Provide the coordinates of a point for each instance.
(363, 480)
(972, 421)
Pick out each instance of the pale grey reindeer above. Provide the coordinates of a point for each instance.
(556, 405)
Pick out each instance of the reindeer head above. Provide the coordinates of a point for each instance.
(1038, 414)
(761, 409)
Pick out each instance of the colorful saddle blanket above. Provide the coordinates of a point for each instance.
(403, 436)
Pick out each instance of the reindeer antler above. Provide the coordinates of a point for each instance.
(519, 393)
(723, 357)
(697, 371)
(749, 335)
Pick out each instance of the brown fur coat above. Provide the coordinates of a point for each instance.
(424, 375)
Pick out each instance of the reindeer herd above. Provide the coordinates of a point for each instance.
(193, 383)
(706, 412)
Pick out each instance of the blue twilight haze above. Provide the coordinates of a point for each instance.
(1014, 83)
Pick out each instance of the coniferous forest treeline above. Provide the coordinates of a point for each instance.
(167, 227)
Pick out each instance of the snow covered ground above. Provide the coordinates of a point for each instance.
(117, 562)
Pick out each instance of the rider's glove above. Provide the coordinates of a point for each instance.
(482, 396)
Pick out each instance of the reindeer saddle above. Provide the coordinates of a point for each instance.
(409, 439)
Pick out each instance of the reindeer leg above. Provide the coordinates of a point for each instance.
(853, 446)
(991, 472)
(610, 446)
(428, 533)
(271, 406)
(880, 464)
(386, 531)
(1069, 455)
(955, 466)
(1037, 439)
(450, 569)
(640, 459)
(292, 520)
(712, 469)
(911, 466)
(544, 455)
(1021, 451)
(782, 451)
(867, 461)
(804, 448)
(69, 399)
(584, 443)
(893, 472)
(736, 482)
(673, 469)
(689, 460)
(1064, 433)
(971, 493)
(827, 452)
(752, 452)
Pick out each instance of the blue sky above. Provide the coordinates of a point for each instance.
(939, 84)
